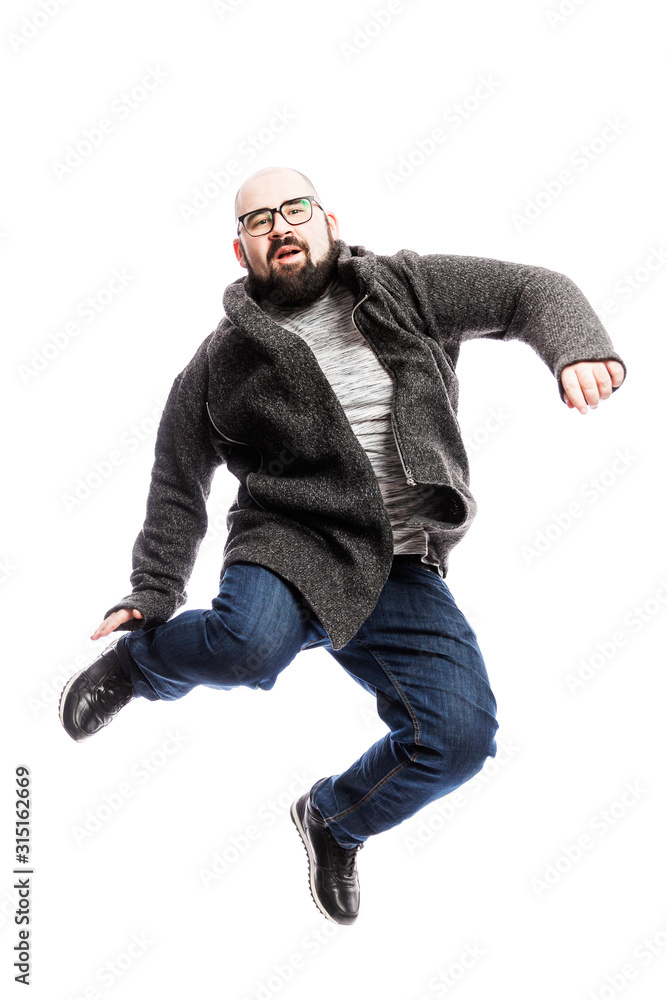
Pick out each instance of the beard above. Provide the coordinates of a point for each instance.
(296, 286)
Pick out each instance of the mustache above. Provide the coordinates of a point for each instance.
(289, 241)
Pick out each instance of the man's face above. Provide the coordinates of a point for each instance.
(295, 278)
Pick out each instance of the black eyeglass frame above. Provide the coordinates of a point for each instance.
(290, 222)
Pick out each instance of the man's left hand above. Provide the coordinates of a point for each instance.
(589, 382)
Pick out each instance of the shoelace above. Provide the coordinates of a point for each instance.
(111, 695)
(346, 857)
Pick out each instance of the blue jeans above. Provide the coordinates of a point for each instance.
(415, 653)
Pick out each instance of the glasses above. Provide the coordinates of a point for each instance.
(295, 212)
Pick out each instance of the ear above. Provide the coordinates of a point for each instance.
(238, 250)
(333, 224)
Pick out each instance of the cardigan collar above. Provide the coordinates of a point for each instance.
(356, 270)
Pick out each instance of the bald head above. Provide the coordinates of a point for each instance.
(301, 273)
(254, 187)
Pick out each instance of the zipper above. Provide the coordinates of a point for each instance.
(409, 478)
(245, 445)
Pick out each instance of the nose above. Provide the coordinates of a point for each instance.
(280, 227)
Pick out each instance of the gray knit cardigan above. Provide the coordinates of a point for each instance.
(308, 505)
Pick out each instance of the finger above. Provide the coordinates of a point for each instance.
(571, 405)
(103, 629)
(573, 389)
(111, 623)
(107, 626)
(603, 381)
(593, 381)
(616, 371)
(580, 409)
(590, 380)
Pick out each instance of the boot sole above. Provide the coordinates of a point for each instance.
(311, 863)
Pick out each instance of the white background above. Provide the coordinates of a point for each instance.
(359, 97)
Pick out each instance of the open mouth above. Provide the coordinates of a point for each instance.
(288, 253)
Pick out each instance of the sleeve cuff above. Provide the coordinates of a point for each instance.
(607, 356)
(155, 606)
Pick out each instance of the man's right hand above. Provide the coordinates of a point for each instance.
(111, 623)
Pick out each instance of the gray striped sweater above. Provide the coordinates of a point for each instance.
(365, 391)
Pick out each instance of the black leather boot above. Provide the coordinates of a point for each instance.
(334, 882)
(92, 698)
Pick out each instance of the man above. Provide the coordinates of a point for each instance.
(329, 390)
